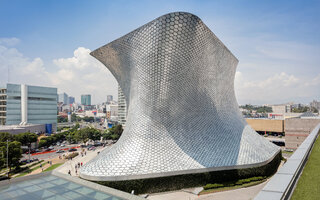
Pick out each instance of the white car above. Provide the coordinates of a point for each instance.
(62, 145)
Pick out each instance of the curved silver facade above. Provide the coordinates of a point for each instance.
(183, 117)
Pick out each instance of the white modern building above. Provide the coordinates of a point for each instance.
(122, 108)
(24, 104)
(282, 108)
(112, 112)
(3, 105)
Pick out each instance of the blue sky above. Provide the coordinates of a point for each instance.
(277, 43)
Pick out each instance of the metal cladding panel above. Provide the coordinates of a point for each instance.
(183, 117)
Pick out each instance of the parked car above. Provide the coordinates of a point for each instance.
(72, 149)
(62, 145)
(51, 147)
(59, 151)
(92, 148)
(97, 144)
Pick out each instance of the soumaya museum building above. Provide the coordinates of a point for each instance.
(177, 79)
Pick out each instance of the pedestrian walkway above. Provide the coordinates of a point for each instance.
(70, 164)
(237, 194)
(47, 165)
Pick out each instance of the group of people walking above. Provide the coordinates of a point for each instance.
(77, 166)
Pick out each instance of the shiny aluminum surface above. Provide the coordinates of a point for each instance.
(183, 117)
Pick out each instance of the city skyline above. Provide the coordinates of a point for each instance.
(48, 43)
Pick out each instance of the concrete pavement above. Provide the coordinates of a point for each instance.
(70, 164)
(237, 194)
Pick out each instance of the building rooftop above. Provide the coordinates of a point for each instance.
(307, 114)
(57, 186)
(7, 127)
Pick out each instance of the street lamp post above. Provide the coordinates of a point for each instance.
(8, 157)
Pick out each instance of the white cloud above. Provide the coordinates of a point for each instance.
(80, 74)
(279, 88)
(9, 41)
(83, 74)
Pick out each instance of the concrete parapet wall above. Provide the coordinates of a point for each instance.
(281, 185)
(297, 129)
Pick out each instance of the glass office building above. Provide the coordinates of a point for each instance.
(86, 99)
(31, 104)
(63, 98)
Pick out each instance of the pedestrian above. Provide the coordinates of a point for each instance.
(76, 172)
(81, 164)
(75, 166)
(69, 172)
(85, 153)
(78, 165)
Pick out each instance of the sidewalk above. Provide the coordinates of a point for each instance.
(47, 165)
(237, 194)
(70, 164)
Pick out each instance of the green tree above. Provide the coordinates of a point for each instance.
(88, 119)
(94, 134)
(301, 109)
(14, 153)
(73, 117)
(43, 142)
(26, 138)
(113, 133)
(62, 119)
(4, 136)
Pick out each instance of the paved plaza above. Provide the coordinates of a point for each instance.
(70, 164)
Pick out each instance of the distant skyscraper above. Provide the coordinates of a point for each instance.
(71, 100)
(63, 98)
(122, 107)
(86, 99)
(109, 98)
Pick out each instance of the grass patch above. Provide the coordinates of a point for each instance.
(30, 170)
(287, 152)
(231, 187)
(52, 167)
(22, 174)
(232, 184)
(308, 184)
